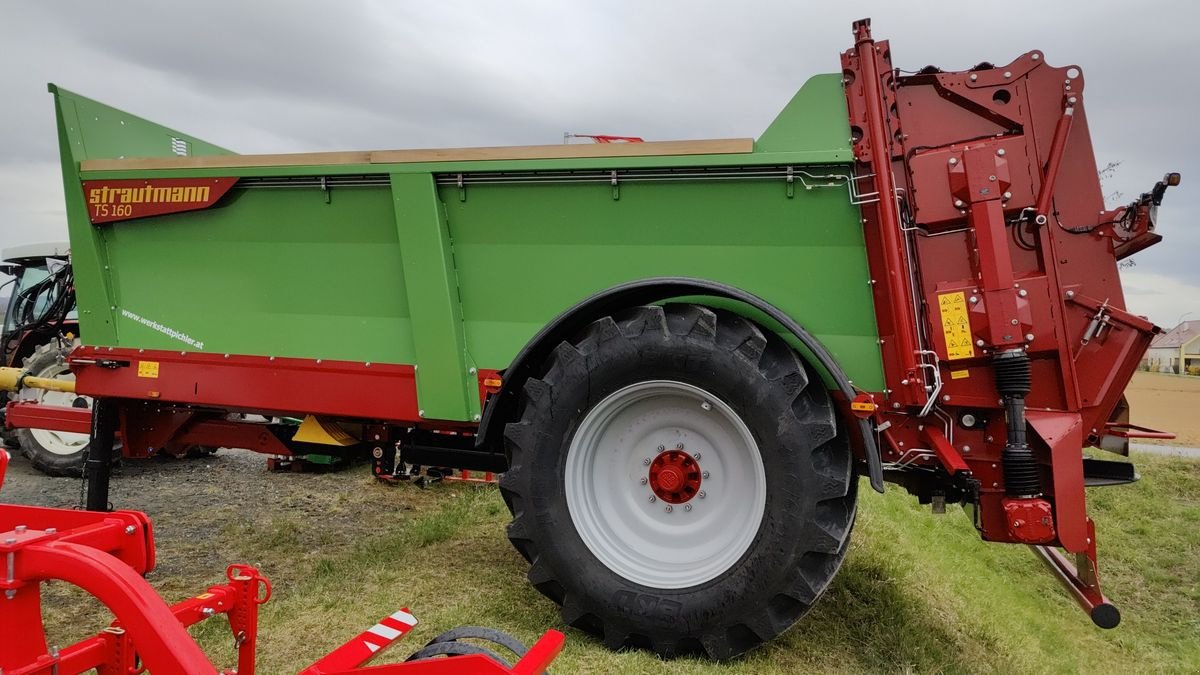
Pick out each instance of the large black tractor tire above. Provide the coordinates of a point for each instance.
(653, 360)
(51, 452)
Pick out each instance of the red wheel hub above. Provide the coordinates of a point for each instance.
(674, 476)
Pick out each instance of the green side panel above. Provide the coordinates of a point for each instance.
(525, 253)
(88, 129)
(815, 118)
(98, 131)
(445, 388)
(271, 271)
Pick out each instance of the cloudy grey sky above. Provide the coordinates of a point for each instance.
(299, 76)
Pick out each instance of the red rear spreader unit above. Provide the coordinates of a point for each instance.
(106, 553)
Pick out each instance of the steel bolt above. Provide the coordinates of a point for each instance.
(704, 474)
(696, 455)
(1035, 56)
(1000, 152)
(679, 446)
(700, 494)
(660, 449)
(653, 499)
(476, 418)
(706, 406)
(953, 161)
(946, 397)
(995, 485)
(10, 594)
(1029, 337)
(1008, 195)
(129, 529)
(1007, 74)
(958, 203)
(420, 413)
(1022, 292)
(471, 371)
(973, 300)
(646, 462)
(1013, 322)
(979, 343)
(896, 405)
(644, 480)
(974, 77)
(20, 529)
(966, 449)
(669, 508)
(51, 530)
(1070, 294)
(687, 507)
(10, 540)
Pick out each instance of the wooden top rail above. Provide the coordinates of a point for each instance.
(565, 151)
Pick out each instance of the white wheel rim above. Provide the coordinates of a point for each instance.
(615, 509)
(58, 442)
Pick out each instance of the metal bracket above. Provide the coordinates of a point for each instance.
(616, 187)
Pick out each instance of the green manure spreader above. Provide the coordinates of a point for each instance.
(682, 355)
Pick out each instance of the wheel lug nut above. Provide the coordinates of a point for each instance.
(644, 481)
(662, 448)
(704, 474)
(706, 406)
(670, 508)
(697, 456)
(653, 499)
(700, 494)
(646, 461)
(679, 446)
(687, 507)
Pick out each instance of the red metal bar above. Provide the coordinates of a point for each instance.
(378, 391)
(162, 642)
(1082, 581)
(895, 252)
(34, 415)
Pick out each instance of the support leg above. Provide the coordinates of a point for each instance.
(98, 467)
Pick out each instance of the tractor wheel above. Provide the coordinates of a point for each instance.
(677, 482)
(55, 453)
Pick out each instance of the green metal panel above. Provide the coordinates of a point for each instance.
(404, 271)
(527, 252)
(273, 271)
(446, 387)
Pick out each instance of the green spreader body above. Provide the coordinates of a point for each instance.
(452, 260)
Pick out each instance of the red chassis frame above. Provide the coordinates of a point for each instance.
(986, 233)
(107, 554)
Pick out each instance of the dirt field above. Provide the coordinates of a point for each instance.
(1167, 402)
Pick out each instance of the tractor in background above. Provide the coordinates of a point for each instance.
(41, 327)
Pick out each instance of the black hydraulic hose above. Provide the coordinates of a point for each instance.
(98, 465)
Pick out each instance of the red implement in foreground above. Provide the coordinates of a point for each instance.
(106, 554)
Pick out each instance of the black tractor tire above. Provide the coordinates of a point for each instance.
(811, 484)
(48, 360)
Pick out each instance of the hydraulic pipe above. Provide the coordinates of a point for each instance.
(1054, 161)
(900, 298)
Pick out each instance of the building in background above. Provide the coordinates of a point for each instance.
(1176, 350)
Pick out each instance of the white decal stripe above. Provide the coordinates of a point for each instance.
(384, 632)
(405, 618)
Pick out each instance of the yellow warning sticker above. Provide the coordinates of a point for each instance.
(956, 327)
(959, 374)
(147, 368)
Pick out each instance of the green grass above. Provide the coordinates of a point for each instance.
(918, 593)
